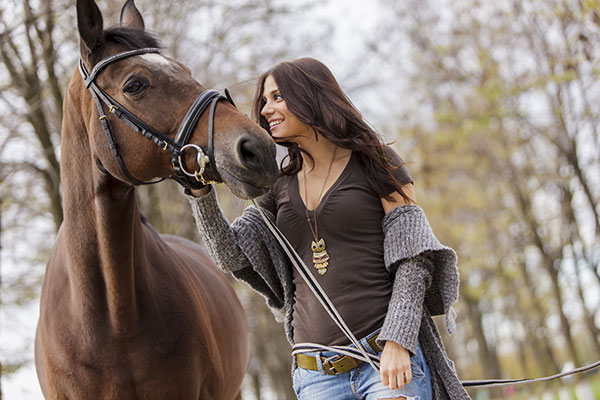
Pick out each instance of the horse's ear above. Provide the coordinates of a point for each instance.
(90, 25)
(131, 17)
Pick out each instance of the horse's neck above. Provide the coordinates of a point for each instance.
(103, 235)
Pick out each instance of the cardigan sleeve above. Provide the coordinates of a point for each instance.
(219, 237)
(407, 234)
(245, 248)
(405, 311)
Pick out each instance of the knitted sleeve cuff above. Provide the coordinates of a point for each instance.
(219, 237)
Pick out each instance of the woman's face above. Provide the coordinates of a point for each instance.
(283, 124)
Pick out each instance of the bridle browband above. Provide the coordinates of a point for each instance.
(176, 146)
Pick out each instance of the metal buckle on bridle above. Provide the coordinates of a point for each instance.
(201, 158)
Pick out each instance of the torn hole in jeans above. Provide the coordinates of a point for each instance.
(402, 398)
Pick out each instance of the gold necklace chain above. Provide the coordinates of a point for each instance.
(320, 255)
(314, 232)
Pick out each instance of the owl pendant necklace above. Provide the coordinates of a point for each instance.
(320, 256)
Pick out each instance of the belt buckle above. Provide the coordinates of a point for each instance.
(328, 366)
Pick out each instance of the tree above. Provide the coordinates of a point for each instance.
(500, 126)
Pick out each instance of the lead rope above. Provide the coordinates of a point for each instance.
(321, 296)
(359, 352)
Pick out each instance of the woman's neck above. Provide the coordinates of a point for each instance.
(322, 152)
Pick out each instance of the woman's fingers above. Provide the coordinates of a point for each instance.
(395, 366)
(407, 376)
(396, 378)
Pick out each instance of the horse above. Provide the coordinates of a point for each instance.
(124, 311)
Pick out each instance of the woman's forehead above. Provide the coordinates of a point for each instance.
(269, 85)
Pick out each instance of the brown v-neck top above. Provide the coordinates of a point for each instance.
(349, 220)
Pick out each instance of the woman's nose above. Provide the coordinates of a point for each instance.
(267, 109)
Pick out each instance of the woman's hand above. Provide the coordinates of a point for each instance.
(395, 366)
(200, 192)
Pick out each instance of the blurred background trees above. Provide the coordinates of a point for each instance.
(495, 106)
(503, 117)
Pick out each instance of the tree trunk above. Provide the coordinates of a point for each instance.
(588, 316)
(549, 263)
(487, 357)
(545, 358)
(26, 81)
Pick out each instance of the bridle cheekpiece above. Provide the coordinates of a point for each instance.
(176, 146)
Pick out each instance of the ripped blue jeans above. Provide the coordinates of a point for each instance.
(362, 382)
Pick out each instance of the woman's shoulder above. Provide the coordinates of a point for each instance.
(400, 170)
(392, 156)
(398, 166)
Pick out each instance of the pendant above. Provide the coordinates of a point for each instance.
(320, 256)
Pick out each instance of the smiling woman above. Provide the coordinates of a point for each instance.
(345, 202)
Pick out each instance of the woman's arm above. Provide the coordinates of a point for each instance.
(246, 248)
(218, 235)
(401, 326)
(425, 276)
(398, 200)
(405, 308)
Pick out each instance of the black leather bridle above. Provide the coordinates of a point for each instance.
(176, 146)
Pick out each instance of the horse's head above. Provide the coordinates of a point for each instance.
(156, 96)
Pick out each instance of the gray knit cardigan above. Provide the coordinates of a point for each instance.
(425, 283)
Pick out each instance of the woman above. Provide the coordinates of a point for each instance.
(346, 204)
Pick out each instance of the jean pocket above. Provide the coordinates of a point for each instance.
(297, 381)
(416, 368)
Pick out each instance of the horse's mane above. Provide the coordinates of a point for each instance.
(130, 38)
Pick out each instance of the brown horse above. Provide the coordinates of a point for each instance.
(125, 312)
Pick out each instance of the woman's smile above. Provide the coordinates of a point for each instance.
(274, 123)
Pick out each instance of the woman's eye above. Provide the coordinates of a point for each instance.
(278, 97)
(134, 87)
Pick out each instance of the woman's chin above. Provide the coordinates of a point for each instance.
(277, 134)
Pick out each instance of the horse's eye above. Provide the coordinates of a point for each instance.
(135, 86)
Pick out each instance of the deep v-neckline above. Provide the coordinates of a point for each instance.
(296, 189)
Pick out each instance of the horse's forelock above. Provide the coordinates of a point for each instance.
(130, 38)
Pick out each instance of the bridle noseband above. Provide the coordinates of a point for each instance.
(176, 146)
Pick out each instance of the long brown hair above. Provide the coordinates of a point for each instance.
(313, 95)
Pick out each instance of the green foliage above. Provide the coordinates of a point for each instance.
(502, 83)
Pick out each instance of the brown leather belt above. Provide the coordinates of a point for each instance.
(334, 365)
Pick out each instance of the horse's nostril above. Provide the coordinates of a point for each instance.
(248, 151)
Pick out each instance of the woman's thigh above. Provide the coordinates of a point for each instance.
(316, 385)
